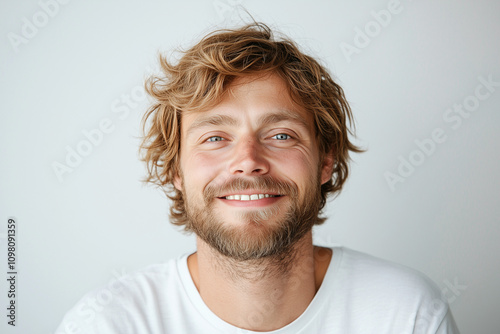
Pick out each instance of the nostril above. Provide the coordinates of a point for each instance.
(248, 162)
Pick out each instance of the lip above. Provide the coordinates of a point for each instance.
(253, 204)
(249, 192)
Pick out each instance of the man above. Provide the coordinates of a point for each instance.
(249, 136)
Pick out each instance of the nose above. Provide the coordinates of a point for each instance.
(249, 159)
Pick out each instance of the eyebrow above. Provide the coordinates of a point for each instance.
(283, 115)
(274, 117)
(212, 120)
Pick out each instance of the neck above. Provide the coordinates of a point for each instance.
(260, 295)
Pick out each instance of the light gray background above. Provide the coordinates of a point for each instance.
(100, 222)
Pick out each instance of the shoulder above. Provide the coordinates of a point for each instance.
(376, 273)
(124, 302)
(390, 291)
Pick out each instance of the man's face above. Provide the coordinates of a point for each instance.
(250, 170)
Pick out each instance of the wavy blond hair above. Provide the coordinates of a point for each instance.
(200, 77)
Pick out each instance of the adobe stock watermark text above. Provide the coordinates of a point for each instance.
(12, 286)
(453, 117)
(31, 26)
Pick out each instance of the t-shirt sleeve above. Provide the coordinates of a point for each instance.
(129, 304)
(448, 325)
(91, 316)
(117, 307)
(392, 298)
(434, 315)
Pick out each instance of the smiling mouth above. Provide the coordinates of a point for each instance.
(253, 197)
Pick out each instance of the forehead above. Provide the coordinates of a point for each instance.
(257, 99)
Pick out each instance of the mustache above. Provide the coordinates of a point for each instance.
(265, 183)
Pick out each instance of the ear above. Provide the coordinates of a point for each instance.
(327, 166)
(177, 182)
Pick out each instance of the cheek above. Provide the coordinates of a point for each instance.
(201, 168)
(296, 166)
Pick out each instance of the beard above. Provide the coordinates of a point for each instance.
(266, 232)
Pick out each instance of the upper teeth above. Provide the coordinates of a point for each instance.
(252, 197)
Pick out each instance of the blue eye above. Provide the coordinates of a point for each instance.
(215, 138)
(281, 136)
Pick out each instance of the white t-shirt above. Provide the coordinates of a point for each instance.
(359, 294)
